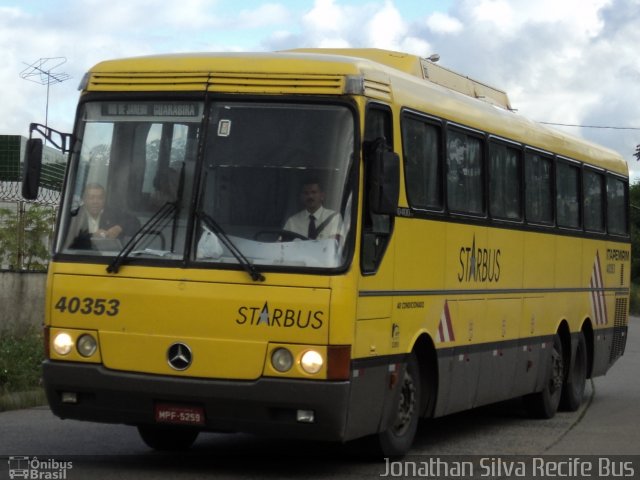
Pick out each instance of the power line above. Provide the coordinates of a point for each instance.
(589, 126)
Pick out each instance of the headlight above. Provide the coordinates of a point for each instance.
(87, 345)
(63, 343)
(311, 361)
(282, 360)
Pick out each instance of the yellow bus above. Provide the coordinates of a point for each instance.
(459, 254)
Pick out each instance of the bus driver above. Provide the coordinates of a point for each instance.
(315, 222)
(94, 221)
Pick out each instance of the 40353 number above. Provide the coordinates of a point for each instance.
(88, 306)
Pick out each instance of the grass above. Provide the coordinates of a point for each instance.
(19, 400)
(21, 354)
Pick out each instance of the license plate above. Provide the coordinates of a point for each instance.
(179, 414)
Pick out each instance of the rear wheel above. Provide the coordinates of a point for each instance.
(544, 404)
(164, 438)
(573, 390)
(396, 441)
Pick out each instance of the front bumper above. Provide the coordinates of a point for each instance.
(264, 406)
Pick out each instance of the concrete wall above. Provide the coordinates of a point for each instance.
(21, 300)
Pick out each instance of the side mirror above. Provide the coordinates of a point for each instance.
(32, 169)
(384, 181)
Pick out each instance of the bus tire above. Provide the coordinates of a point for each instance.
(573, 390)
(396, 441)
(544, 404)
(167, 439)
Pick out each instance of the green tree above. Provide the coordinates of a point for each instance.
(23, 237)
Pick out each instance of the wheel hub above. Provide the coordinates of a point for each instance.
(406, 405)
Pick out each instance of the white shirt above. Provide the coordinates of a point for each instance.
(93, 223)
(299, 223)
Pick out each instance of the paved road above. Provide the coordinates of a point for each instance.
(607, 424)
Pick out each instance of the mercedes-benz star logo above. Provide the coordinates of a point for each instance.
(179, 356)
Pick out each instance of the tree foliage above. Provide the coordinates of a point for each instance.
(24, 235)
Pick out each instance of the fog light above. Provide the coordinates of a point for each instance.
(69, 397)
(87, 345)
(63, 343)
(311, 361)
(281, 359)
(305, 416)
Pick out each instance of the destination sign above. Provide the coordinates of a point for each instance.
(151, 109)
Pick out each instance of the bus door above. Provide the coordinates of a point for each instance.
(373, 326)
(376, 262)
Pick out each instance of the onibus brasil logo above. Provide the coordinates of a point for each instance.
(32, 468)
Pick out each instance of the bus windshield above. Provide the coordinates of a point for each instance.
(265, 169)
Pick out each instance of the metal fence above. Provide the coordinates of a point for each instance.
(26, 227)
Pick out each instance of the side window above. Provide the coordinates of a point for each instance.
(593, 206)
(504, 182)
(537, 184)
(422, 168)
(464, 173)
(617, 206)
(376, 229)
(568, 195)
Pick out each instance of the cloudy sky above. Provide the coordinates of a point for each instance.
(561, 61)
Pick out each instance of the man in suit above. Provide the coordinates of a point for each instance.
(95, 222)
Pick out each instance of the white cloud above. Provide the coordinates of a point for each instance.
(440, 22)
(509, 15)
(326, 18)
(498, 13)
(11, 14)
(564, 62)
(416, 46)
(265, 15)
(386, 28)
(573, 61)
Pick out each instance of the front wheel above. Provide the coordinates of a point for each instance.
(397, 439)
(165, 438)
(544, 404)
(573, 390)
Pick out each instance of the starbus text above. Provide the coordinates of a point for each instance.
(278, 317)
(479, 264)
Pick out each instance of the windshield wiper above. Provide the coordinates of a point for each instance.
(249, 267)
(147, 227)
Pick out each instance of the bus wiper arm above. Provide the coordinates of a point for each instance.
(249, 267)
(144, 230)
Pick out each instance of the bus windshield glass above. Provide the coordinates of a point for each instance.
(268, 168)
(135, 159)
(265, 169)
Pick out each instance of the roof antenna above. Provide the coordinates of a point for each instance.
(41, 71)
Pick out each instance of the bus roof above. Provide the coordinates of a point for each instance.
(424, 69)
(408, 80)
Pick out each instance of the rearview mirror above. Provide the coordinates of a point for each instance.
(384, 180)
(32, 169)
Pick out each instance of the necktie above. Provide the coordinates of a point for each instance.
(313, 233)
